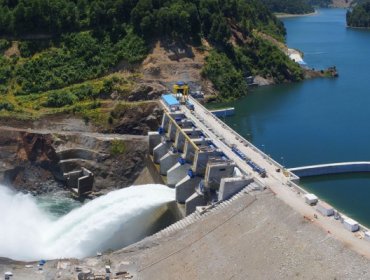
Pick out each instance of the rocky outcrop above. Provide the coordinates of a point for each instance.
(261, 81)
(29, 161)
(138, 120)
(37, 148)
(34, 162)
(146, 91)
(330, 72)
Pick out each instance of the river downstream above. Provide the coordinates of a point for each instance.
(321, 120)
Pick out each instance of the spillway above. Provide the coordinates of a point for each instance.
(111, 221)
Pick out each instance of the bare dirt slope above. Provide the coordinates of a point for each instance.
(168, 63)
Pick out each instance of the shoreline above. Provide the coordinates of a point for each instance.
(285, 15)
(358, 27)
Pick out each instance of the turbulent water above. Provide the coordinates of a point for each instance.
(108, 222)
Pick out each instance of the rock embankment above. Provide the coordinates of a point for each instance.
(34, 162)
(137, 120)
(330, 72)
(28, 161)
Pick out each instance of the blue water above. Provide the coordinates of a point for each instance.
(321, 120)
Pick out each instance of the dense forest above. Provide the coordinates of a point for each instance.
(295, 6)
(64, 44)
(359, 15)
(290, 6)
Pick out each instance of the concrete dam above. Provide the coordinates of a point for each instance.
(191, 162)
(207, 162)
(244, 213)
(201, 168)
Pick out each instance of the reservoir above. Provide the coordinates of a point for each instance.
(321, 120)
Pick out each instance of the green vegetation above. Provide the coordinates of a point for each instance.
(264, 58)
(6, 106)
(290, 6)
(321, 3)
(117, 147)
(80, 57)
(4, 44)
(226, 78)
(359, 16)
(67, 47)
(295, 6)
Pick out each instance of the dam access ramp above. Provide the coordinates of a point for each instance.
(204, 159)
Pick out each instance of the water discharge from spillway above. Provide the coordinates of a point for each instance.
(109, 222)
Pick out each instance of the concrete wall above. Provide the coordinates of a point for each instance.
(335, 168)
(177, 173)
(72, 178)
(216, 171)
(85, 184)
(160, 150)
(224, 112)
(186, 187)
(231, 186)
(167, 161)
(179, 141)
(193, 201)
(189, 152)
(154, 140)
(82, 180)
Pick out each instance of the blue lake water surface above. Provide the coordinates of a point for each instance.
(320, 120)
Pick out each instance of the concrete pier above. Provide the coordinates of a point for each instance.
(186, 187)
(201, 159)
(189, 158)
(189, 151)
(176, 173)
(216, 170)
(167, 161)
(231, 186)
(154, 140)
(160, 150)
(196, 199)
(171, 133)
(179, 141)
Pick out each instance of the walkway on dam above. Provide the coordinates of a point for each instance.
(224, 138)
(331, 168)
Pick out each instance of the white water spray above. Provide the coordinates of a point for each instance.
(108, 222)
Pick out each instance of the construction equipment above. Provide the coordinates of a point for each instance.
(181, 91)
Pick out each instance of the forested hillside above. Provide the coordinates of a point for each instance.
(359, 15)
(58, 53)
(295, 6)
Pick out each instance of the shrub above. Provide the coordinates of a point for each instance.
(6, 106)
(117, 147)
(4, 45)
(59, 99)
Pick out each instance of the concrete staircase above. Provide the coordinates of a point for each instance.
(198, 215)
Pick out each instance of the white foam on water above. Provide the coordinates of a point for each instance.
(109, 222)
